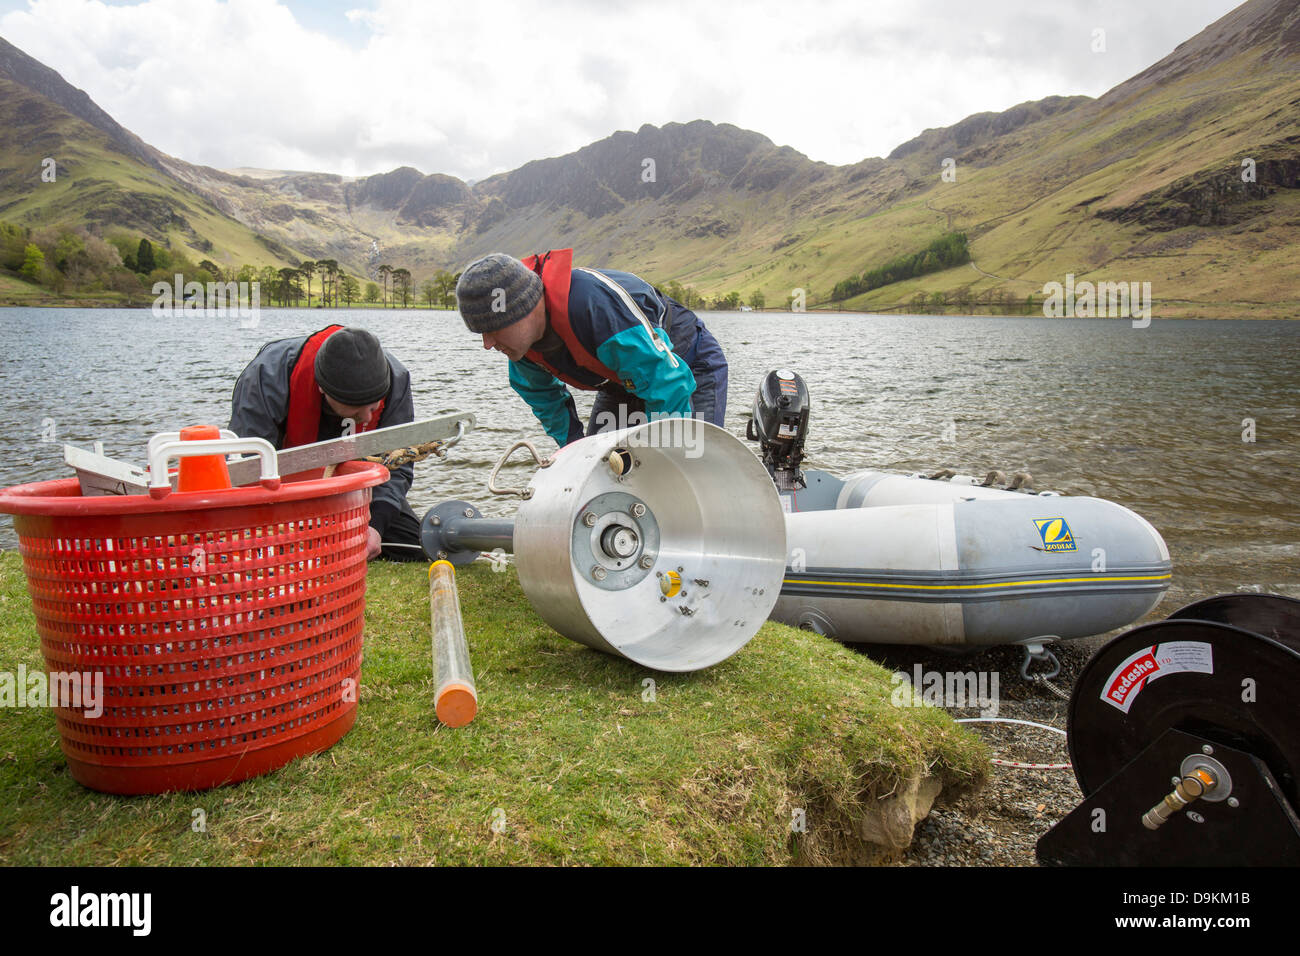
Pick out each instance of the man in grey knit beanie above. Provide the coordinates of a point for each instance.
(596, 330)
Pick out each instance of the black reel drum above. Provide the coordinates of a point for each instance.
(1205, 702)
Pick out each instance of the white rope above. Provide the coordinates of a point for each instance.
(1027, 723)
(1010, 720)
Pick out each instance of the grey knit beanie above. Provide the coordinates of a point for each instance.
(496, 291)
(351, 368)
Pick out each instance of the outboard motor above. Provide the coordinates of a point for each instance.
(780, 426)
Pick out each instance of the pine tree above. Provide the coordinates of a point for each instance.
(144, 261)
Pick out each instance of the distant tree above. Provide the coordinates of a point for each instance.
(329, 278)
(268, 281)
(445, 284)
(213, 269)
(289, 287)
(307, 269)
(247, 274)
(144, 257)
(202, 277)
(938, 300)
(428, 292)
(385, 271)
(66, 249)
(947, 251)
(757, 300)
(13, 245)
(372, 292)
(350, 288)
(402, 283)
(33, 263)
(169, 260)
(732, 300)
(919, 301)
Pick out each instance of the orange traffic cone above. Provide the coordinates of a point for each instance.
(202, 472)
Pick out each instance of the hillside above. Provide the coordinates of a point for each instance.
(106, 177)
(1141, 184)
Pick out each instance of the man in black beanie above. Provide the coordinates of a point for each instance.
(335, 382)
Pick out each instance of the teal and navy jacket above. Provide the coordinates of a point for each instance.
(649, 349)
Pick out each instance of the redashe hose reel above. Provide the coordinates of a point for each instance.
(1183, 736)
(663, 543)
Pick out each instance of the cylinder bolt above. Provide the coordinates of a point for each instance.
(638, 510)
(589, 519)
(619, 542)
(468, 512)
(598, 573)
(647, 562)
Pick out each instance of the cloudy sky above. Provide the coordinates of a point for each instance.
(362, 86)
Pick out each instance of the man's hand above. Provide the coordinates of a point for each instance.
(373, 544)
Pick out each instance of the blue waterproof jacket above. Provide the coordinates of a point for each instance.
(649, 348)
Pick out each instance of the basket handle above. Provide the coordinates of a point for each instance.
(169, 445)
(161, 437)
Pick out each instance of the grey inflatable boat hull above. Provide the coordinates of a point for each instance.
(891, 559)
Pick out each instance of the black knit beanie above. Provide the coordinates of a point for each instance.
(351, 368)
(496, 291)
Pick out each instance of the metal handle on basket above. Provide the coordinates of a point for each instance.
(524, 493)
(169, 445)
(158, 439)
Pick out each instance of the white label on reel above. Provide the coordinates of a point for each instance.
(1175, 657)
(785, 504)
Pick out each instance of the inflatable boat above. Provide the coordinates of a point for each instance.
(947, 560)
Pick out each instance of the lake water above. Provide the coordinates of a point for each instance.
(1151, 418)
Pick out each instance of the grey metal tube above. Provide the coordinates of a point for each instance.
(479, 534)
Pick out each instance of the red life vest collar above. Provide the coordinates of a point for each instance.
(302, 426)
(556, 270)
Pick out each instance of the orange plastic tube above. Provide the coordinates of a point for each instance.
(455, 697)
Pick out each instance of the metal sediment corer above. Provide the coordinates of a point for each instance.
(455, 698)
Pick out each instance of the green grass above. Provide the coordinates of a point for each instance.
(584, 770)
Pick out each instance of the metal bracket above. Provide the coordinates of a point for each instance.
(1037, 652)
(522, 493)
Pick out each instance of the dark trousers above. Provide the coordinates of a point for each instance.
(401, 540)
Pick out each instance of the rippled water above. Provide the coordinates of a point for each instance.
(1151, 418)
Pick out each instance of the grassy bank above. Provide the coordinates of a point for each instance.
(567, 756)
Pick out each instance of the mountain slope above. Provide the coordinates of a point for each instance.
(105, 176)
(1142, 184)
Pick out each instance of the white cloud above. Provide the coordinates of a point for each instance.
(475, 89)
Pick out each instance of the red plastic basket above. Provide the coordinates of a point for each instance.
(226, 624)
